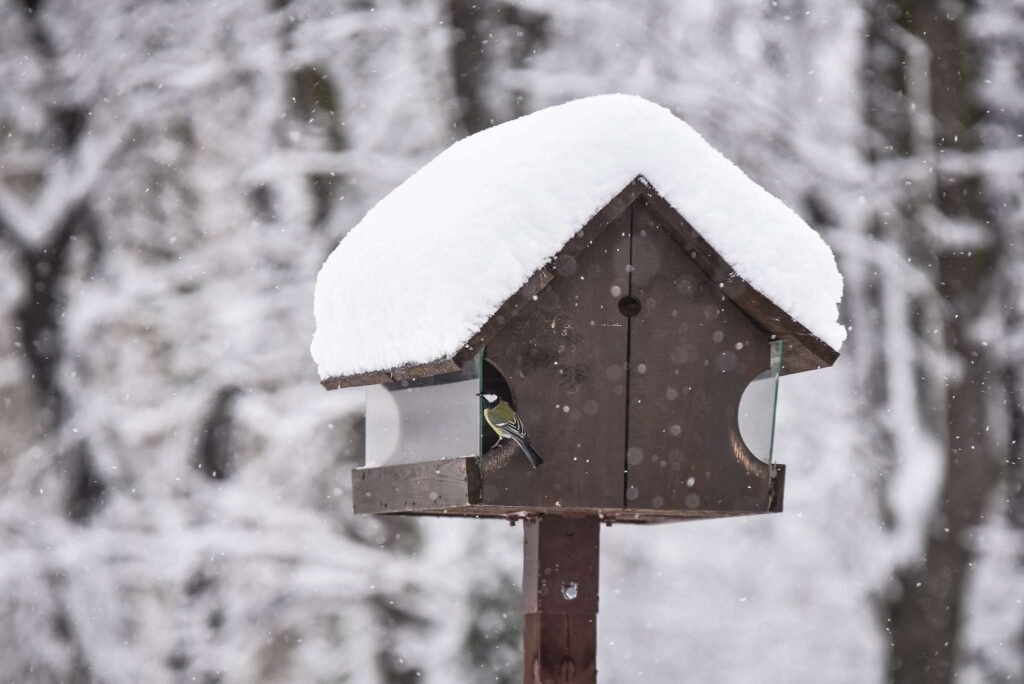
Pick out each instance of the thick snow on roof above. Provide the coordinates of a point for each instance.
(432, 261)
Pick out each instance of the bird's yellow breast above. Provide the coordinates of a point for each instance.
(487, 417)
(499, 415)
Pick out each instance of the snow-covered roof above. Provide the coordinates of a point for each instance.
(433, 261)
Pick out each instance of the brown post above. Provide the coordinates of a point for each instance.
(560, 572)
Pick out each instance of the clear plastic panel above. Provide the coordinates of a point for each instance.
(424, 420)
(758, 406)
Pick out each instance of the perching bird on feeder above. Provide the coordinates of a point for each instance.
(503, 419)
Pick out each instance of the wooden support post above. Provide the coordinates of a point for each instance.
(560, 573)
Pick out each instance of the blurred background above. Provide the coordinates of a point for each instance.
(174, 483)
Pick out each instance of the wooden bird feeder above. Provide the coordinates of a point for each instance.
(645, 370)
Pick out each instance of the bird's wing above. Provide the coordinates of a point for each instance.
(513, 426)
(508, 420)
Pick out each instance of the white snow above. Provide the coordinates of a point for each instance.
(432, 261)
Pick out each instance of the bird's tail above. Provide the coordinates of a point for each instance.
(531, 453)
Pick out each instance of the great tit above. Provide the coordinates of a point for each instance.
(500, 415)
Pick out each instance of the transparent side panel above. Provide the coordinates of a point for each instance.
(757, 409)
(424, 420)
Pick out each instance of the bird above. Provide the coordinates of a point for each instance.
(504, 420)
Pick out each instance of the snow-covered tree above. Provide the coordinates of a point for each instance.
(174, 485)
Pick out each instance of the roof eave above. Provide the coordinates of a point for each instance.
(802, 350)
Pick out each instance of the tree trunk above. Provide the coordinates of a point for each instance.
(924, 616)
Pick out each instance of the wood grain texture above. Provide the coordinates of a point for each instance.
(803, 351)
(415, 372)
(558, 550)
(416, 486)
(559, 633)
(564, 360)
(406, 490)
(616, 516)
(692, 354)
(559, 649)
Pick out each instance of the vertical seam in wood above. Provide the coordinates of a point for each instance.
(570, 647)
(629, 360)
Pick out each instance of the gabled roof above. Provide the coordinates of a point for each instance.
(433, 270)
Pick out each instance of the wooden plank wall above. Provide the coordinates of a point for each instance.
(565, 360)
(692, 354)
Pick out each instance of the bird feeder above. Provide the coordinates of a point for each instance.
(642, 360)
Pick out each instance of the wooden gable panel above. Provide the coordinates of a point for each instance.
(804, 351)
(564, 359)
(692, 354)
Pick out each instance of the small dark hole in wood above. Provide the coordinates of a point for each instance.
(629, 306)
